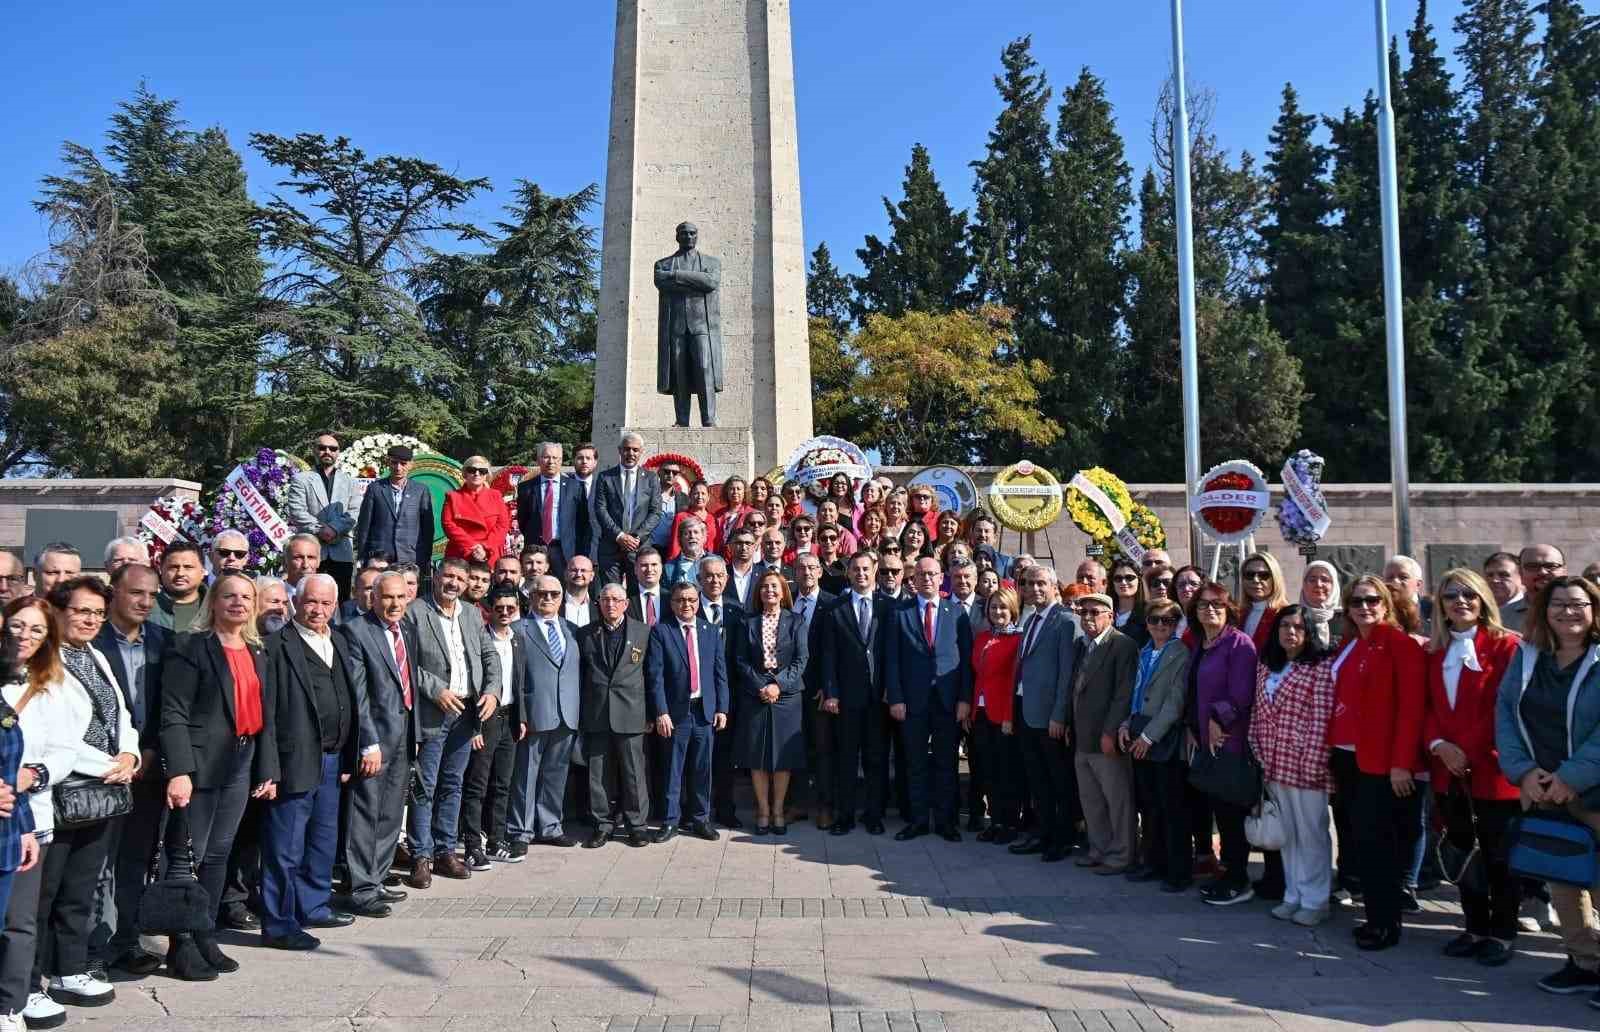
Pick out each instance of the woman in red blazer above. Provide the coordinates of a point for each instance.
(1469, 656)
(1264, 595)
(1380, 694)
(988, 714)
(475, 516)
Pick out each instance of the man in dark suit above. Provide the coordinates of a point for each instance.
(613, 716)
(627, 508)
(850, 644)
(553, 510)
(927, 671)
(487, 795)
(396, 515)
(133, 647)
(315, 722)
(809, 601)
(687, 674)
(892, 578)
(360, 599)
(720, 608)
(380, 657)
(1046, 661)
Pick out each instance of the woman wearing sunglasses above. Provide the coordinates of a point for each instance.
(1262, 580)
(1127, 591)
(475, 517)
(1468, 660)
(1153, 736)
(1380, 695)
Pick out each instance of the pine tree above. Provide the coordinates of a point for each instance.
(828, 291)
(1012, 186)
(925, 266)
(1295, 243)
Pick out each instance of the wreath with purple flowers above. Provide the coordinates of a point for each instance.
(1297, 525)
(270, 472)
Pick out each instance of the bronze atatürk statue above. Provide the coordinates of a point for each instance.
(689, 337)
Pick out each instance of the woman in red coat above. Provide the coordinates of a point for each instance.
(988, 714)
(1264, 595)
(475, 517)
(1380, 695)
(1469, 656)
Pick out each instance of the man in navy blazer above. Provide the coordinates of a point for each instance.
(562, 527)
(686, 674)
(928, 669)
(396, 515)
(850, 648)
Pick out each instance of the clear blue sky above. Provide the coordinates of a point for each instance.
(514, 90)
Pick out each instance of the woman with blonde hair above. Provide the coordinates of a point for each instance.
(1261, 578)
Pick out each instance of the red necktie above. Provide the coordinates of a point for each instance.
(694, 661)
(549, 510)
(927, 623)
(400, 661)
(650, 609)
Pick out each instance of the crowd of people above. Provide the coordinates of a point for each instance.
(315, 746)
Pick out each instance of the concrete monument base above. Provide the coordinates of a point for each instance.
(722, 452)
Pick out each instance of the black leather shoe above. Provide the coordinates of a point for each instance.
(209, 949)
(559, 841)
(841, 828)
(1053, 855)
(874, 827)
(598, 839)
(335, 919)
(974, 824)
(185, 962)
(950, 834)
(1026, 847)
(392, 880)
(297, 941)
(910, 831)
(377, 908)
(730, 821)
(705, 831)
(1142, 874)
(667, 833)
(1493, 953)
(637, 838)
(137, 961)
(391, 895)
(1003, 836)
(1379, 940)
(239, 918)
(1463, 945)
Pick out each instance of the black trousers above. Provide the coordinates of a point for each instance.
(243, 884)
(136, 841)
(1200, 821)
(487, 790)
(858, 741)
(341, 573)
(1235, 847)
(616, 769)
(894, 751)
(66, 898)
(818, 727)
(934, 774)
(1054, 783)
(723, 775)
(1386, 829)
(978, 789)
(1342, 764)
(999, 757)
(213, 820)
(1161, 786)
(1492, 913)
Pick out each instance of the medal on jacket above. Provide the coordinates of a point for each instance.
(635, 654)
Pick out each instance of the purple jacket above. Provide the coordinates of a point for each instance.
(1222, 686)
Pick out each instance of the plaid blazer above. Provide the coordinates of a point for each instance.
(21, 820)
(1289, 732)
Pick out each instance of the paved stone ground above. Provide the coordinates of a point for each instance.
(810, 934)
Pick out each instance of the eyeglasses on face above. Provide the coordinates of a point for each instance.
(1570, 607)
(476, 471)
(1458, 595)
(86, 612)
(1544, 567)
(233, 553)
(1257, 575)
(22, 630)
(1365, 601)
(1161, 582)
(891, 571)
(1161, 621)
(508, 609)
(547, 594)
(327, 447)
(1214, 605)
(1125, 578)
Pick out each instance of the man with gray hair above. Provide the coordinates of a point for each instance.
(302, 556)
(550, 690)
(123, 551)
(1403, 574)
(56, 563)
(691, 549)
(230, 553)
(553, 510)
(627, 509)
(613, 718)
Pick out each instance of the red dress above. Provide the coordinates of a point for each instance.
(994, 662)
(475, 518)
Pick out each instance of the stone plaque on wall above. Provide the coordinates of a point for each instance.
(1448, 557)
(1354, 560)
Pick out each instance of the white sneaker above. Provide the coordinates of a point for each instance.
(1310, 917)
(83, 990)
(1528, 924)
(12, 1023)
(1284, 911)
(43, 1012)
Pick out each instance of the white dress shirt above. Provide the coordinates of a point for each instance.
(576, 611)
(451, 626)
(503, 647)
(321, 644)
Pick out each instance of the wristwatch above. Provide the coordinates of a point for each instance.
(41, 777)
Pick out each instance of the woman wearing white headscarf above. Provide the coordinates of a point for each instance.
(1319, 594)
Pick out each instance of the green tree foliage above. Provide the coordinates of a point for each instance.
(836, 369)
(827, 291)
(924, 267)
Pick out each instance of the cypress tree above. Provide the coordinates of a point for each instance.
(1012, 186)
(828, 291)
(924, 267)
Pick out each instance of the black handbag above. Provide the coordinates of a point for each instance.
(80, 801)
(177, 904)
(1466, 869)
(1231, 777)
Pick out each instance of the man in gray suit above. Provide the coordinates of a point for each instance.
(550, 690)
(396, 517)
(627, 508)
(319, 502)
(1045, 664)
(614, 719)
(380, 659)
(1102, 692)
(458, 679)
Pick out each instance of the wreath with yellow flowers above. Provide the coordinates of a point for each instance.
(1025, 497)
(1146, 528)
(1089, 513)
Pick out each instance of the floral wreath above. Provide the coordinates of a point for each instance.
(814, 464)
(952, 489)
(368, 458)
(1025, 480)
(1146, 528)
(1088, 513)
(270, 472)
(660, 459)
(506, 480)
(1303, 514)
(169, 518)
(1230, 501)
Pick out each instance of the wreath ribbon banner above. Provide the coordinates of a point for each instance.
(260, 510)
(1303, 496)
(160, 526)
(1113, 515)
(1231, 500)
(1028, 490)
(812, 474)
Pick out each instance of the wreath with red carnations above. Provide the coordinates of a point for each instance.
(685, 463)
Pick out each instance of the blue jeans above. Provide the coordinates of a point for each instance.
(690, 762)
(298, 836)
(431, 823)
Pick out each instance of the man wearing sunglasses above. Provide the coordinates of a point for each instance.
(230, 553)
(321, 501)
(494, 750)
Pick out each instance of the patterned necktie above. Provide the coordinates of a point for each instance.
(399, 643)
(557, 644)
(650, 609)
(549, 510)
(716, 612)
(694, 661)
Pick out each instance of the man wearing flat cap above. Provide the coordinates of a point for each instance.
(396, 515)
(1102, 691)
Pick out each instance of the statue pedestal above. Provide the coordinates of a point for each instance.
(721, 451)
(703, 131)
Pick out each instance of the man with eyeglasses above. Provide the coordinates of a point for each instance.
(613, 717)
(13, 578)
(396, 514)
(627, 509)
(551, 686)
(56, 563)
(322, 502)
(487, 795)
(1540, 565)
(742, 562)
(183, 589)
(1047, 661)
(578, 607)
(673, 501)
(553, 509)
(691, 549)
(891, 577)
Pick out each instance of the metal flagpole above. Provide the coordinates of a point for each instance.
(1190, 362)
(1393, 303)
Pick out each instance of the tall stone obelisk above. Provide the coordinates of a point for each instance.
(703, 131)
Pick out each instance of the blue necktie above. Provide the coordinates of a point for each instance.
(553, 636)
